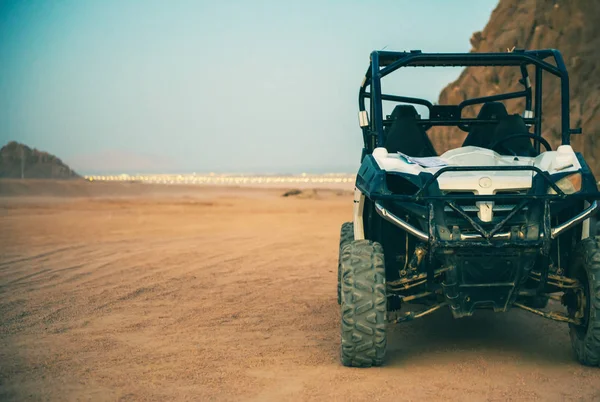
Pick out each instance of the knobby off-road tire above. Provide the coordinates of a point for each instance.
(585, 266)
(363, 304)
(346, 236)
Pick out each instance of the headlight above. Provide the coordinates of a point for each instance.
(569, 184)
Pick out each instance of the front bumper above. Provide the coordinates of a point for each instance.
(485, 235)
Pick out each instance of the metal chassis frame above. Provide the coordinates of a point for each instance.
(486, 238)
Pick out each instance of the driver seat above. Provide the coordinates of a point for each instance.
(480, 135)
(511, 125)
(484, 135)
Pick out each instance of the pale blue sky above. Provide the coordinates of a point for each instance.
(254, 86)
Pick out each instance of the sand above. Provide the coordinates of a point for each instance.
(139, 292)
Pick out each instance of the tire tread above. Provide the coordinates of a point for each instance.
(363, 304)
(346, 236)
(587, 257)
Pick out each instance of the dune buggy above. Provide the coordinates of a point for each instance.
(497, 223)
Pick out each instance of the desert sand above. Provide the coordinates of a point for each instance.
(126, 291)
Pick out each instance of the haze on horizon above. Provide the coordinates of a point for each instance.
(231, 86)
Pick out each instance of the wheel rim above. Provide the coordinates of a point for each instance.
(580, 303)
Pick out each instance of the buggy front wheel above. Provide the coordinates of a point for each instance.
(585, 303)
(346, 236)
(363, 304)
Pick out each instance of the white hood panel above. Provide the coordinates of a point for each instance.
(484, 182)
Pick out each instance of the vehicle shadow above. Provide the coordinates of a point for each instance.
(515, 334)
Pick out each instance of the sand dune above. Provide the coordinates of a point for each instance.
(152, 293)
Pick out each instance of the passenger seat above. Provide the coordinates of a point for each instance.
(406, 136)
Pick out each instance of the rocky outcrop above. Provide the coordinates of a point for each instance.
(567, 25)
(18, 160)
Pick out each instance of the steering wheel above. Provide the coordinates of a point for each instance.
(534, 137)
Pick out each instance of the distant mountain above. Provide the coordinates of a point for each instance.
(18, 160)
(569, 26)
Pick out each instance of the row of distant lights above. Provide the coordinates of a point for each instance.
(226, 179)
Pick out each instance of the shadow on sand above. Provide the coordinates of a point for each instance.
(533, 339)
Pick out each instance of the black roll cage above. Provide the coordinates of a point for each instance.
(386, 62)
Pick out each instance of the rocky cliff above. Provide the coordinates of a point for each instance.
(572, 27)
(18, 159)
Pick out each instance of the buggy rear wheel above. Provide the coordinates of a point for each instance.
(585, 267)
(346, 236)
(363, 304)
